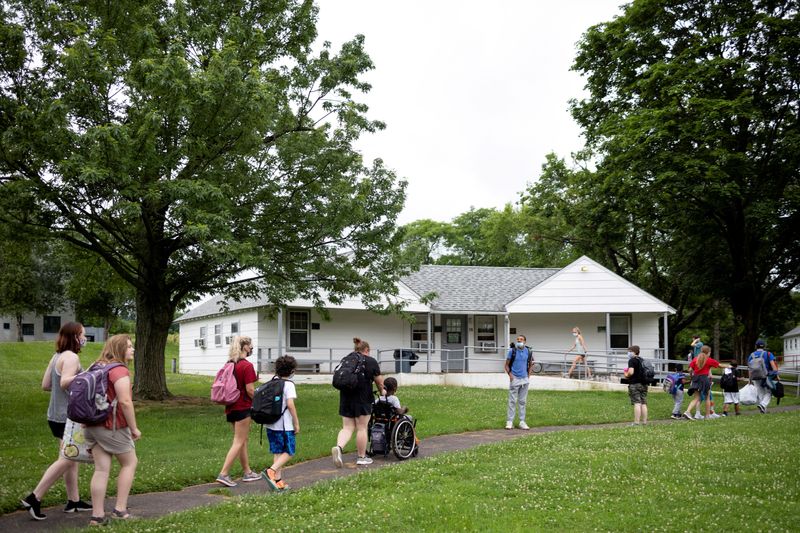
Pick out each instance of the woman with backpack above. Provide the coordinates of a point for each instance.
(115, 437)
(700, 368)
(238, 413)
(355, 405)
(63, 368)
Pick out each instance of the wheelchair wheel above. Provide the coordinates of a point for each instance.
(403, 439)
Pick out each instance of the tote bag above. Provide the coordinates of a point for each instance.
(73, 445)
(748, 395)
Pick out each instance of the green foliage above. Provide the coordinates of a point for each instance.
(186, 143)
(624, 479)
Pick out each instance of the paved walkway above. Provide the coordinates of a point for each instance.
(155, 504)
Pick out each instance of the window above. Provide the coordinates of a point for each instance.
(217, 334)
(485, 330)
(203, 333)
(27, 329)
(620, 334)
(453, 330)
(419, 332)
(6, 325)
(299, 324)
(234, 329)
(51, 324)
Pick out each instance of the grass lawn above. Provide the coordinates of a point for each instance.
(185, 440)
(652, 478)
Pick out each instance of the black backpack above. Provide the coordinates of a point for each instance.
(268, 402)
(729, 382)
(647, 369)
(349, 371)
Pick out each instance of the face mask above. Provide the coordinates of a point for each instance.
(631, 354)
(574, 334)
(520, 345)
(82, 341)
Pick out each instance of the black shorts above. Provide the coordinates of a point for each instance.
(236, 416)
(57, 428)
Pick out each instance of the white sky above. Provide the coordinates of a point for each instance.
(474, 94)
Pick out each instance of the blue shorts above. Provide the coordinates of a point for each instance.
(281, 441)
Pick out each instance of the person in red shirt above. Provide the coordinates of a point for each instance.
(115, 437)
(238, 413)
(700, 367)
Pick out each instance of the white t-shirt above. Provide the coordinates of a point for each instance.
(285, 423)
(393, 400)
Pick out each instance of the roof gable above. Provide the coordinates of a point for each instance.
(585, 286)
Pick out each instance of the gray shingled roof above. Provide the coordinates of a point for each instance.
(475, 288)
(795, 331)
(457, 288)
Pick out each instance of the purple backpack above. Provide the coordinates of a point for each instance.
(88, 395)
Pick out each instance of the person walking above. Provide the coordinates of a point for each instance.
(700, 368)
(355, 406)
(282, 433)
(763, 368)
(519, 361)
(62, 369)
(116, 436)
(579, 345)
(238, 413)
(695, 347)
(637, 386)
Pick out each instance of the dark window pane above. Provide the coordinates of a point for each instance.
(51, 324)
(619, 341)
(298, 339)
(27, 329)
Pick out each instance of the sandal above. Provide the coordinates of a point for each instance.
(98, 521)
(121, 515)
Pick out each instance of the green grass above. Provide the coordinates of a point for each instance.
(672, 477)
(185, 440)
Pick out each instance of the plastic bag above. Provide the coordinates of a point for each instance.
(748, 395)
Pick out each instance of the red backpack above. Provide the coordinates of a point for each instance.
(225, 389)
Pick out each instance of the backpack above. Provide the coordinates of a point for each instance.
(268, 402)
(88, 395)
(671, 382)
(729, 382)
(514, 356)
(757, 364)
(647, 369)
(777, 391)
(225, 390)
(347, 372)
(378, 438)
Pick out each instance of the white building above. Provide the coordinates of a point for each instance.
(791, 349)
(475, 314)
(44, 327)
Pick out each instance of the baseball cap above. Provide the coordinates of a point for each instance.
(760, 343)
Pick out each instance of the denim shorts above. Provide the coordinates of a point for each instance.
(281, 441)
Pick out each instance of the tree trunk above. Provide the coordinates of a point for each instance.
(20, 338)
(154, 314)
(747, 323)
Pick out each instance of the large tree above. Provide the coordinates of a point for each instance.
(695, 104)
(190, 142)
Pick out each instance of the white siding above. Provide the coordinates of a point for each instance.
(208, 360)
(586, 287)
(645, 333)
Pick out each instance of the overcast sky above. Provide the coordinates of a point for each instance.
(474, 94)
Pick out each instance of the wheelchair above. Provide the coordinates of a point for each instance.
(389, 432)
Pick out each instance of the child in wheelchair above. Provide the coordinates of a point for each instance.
(391, 428)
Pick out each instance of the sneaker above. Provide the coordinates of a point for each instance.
(687, 416)
(226, 480)
(336, 453)
(762, 409)
(634, 424)
(713, 415)
(509, 425)
(33, 506)
(675, 417)
(698, 416)
(724, 414)
(523, 425)
(79, 505)
(364, 461)
(251, 476)
(268, 475)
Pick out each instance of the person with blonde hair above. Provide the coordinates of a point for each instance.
(238, 413)
(579, 345)
(700, 368)
(63, 367)
(116, 436)
(355, 406)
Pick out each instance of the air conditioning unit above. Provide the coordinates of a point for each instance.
(419, 345)
(487, 346)
(200, 343)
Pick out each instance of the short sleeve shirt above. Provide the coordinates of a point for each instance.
(710, 363)
(114, 375)
(519, 368)
(245, 374)
(286, 423)
(638, 376)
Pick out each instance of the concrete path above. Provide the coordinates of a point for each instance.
(155, 504)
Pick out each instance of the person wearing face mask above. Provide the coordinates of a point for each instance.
(281, 434)
(63, 368)
(579, 345)
(519, 362)
(238, 413)
(637, 386)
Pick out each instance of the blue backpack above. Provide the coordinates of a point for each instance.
(672, 382)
